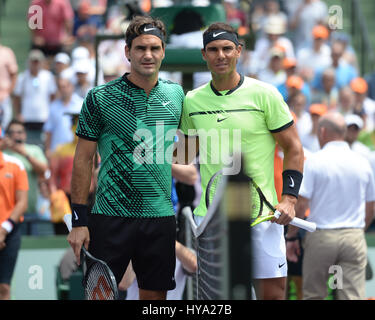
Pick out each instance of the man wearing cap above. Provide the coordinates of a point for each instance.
(13, 203)
(274, 73)
(34, 91)
(257, 114)
(363, 105)
(354, 125)
(132, 120)
(319, 54)
(339, 188)
(310, 139)
(57, 127)
(274, 28)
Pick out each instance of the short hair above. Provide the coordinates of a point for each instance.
(134, 28)
(220, 26)
(12, 122)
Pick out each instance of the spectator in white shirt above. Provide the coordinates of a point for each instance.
(338, 186)
(318, 54)
(34, 91)
(58, 125)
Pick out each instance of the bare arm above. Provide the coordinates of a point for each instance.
(18, 210)
(293, 160)
(187, 174)
(187, 258)
(17, 107)
(370, 207)
(82, 170)
(186, 149)
(80, 187)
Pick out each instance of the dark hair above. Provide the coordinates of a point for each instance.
(134, 28)
(220, 26)
(12, 122)
(187, 20)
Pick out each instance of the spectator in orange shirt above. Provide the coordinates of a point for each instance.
(13, 204)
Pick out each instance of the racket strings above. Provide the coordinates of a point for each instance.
(213, 187)
(256, 203)
(98, 283)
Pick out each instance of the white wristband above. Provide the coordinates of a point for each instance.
(7, 226)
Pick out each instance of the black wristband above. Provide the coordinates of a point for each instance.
(292, 180)
(79, 215)
(12, 222)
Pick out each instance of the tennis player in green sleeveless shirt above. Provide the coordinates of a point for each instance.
(132, 121)
(249, 116)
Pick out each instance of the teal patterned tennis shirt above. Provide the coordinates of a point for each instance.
(135, 135)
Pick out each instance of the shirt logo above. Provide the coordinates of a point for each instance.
(148, 29)
(292, 182)
(165, 103)
(218, 34)
(8, 175)
(222, 119)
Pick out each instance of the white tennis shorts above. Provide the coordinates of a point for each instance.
(268, 251)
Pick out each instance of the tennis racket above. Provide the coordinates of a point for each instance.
(99, 283)
(257, 202)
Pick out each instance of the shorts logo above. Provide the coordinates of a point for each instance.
(281, 265)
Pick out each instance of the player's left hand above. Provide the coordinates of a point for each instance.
(286, 208)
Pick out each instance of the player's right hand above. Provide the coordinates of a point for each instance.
(77, 237)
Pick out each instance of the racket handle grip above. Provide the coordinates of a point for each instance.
(68, 221)
(303, 224)
(300, 223)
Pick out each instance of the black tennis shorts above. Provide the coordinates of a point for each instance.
(148, 242)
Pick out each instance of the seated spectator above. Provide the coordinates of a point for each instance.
(57, 17)
(346, 101)
(363, 105)
(354, 126)
(328, 94)
(62, 63)
(306, 14)
(319, 54)
(261, 12)
(297, 104)
(32, 158)
(57, 128)
(274, 29)
(344, 71)
(85, 21)
(274, 73)
(289, 65)
(310, 140)
(83, 84)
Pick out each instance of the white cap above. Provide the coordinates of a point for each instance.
(275, 25)
(82, 66)
(80, 53)
(351, 119)
(62, 57)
